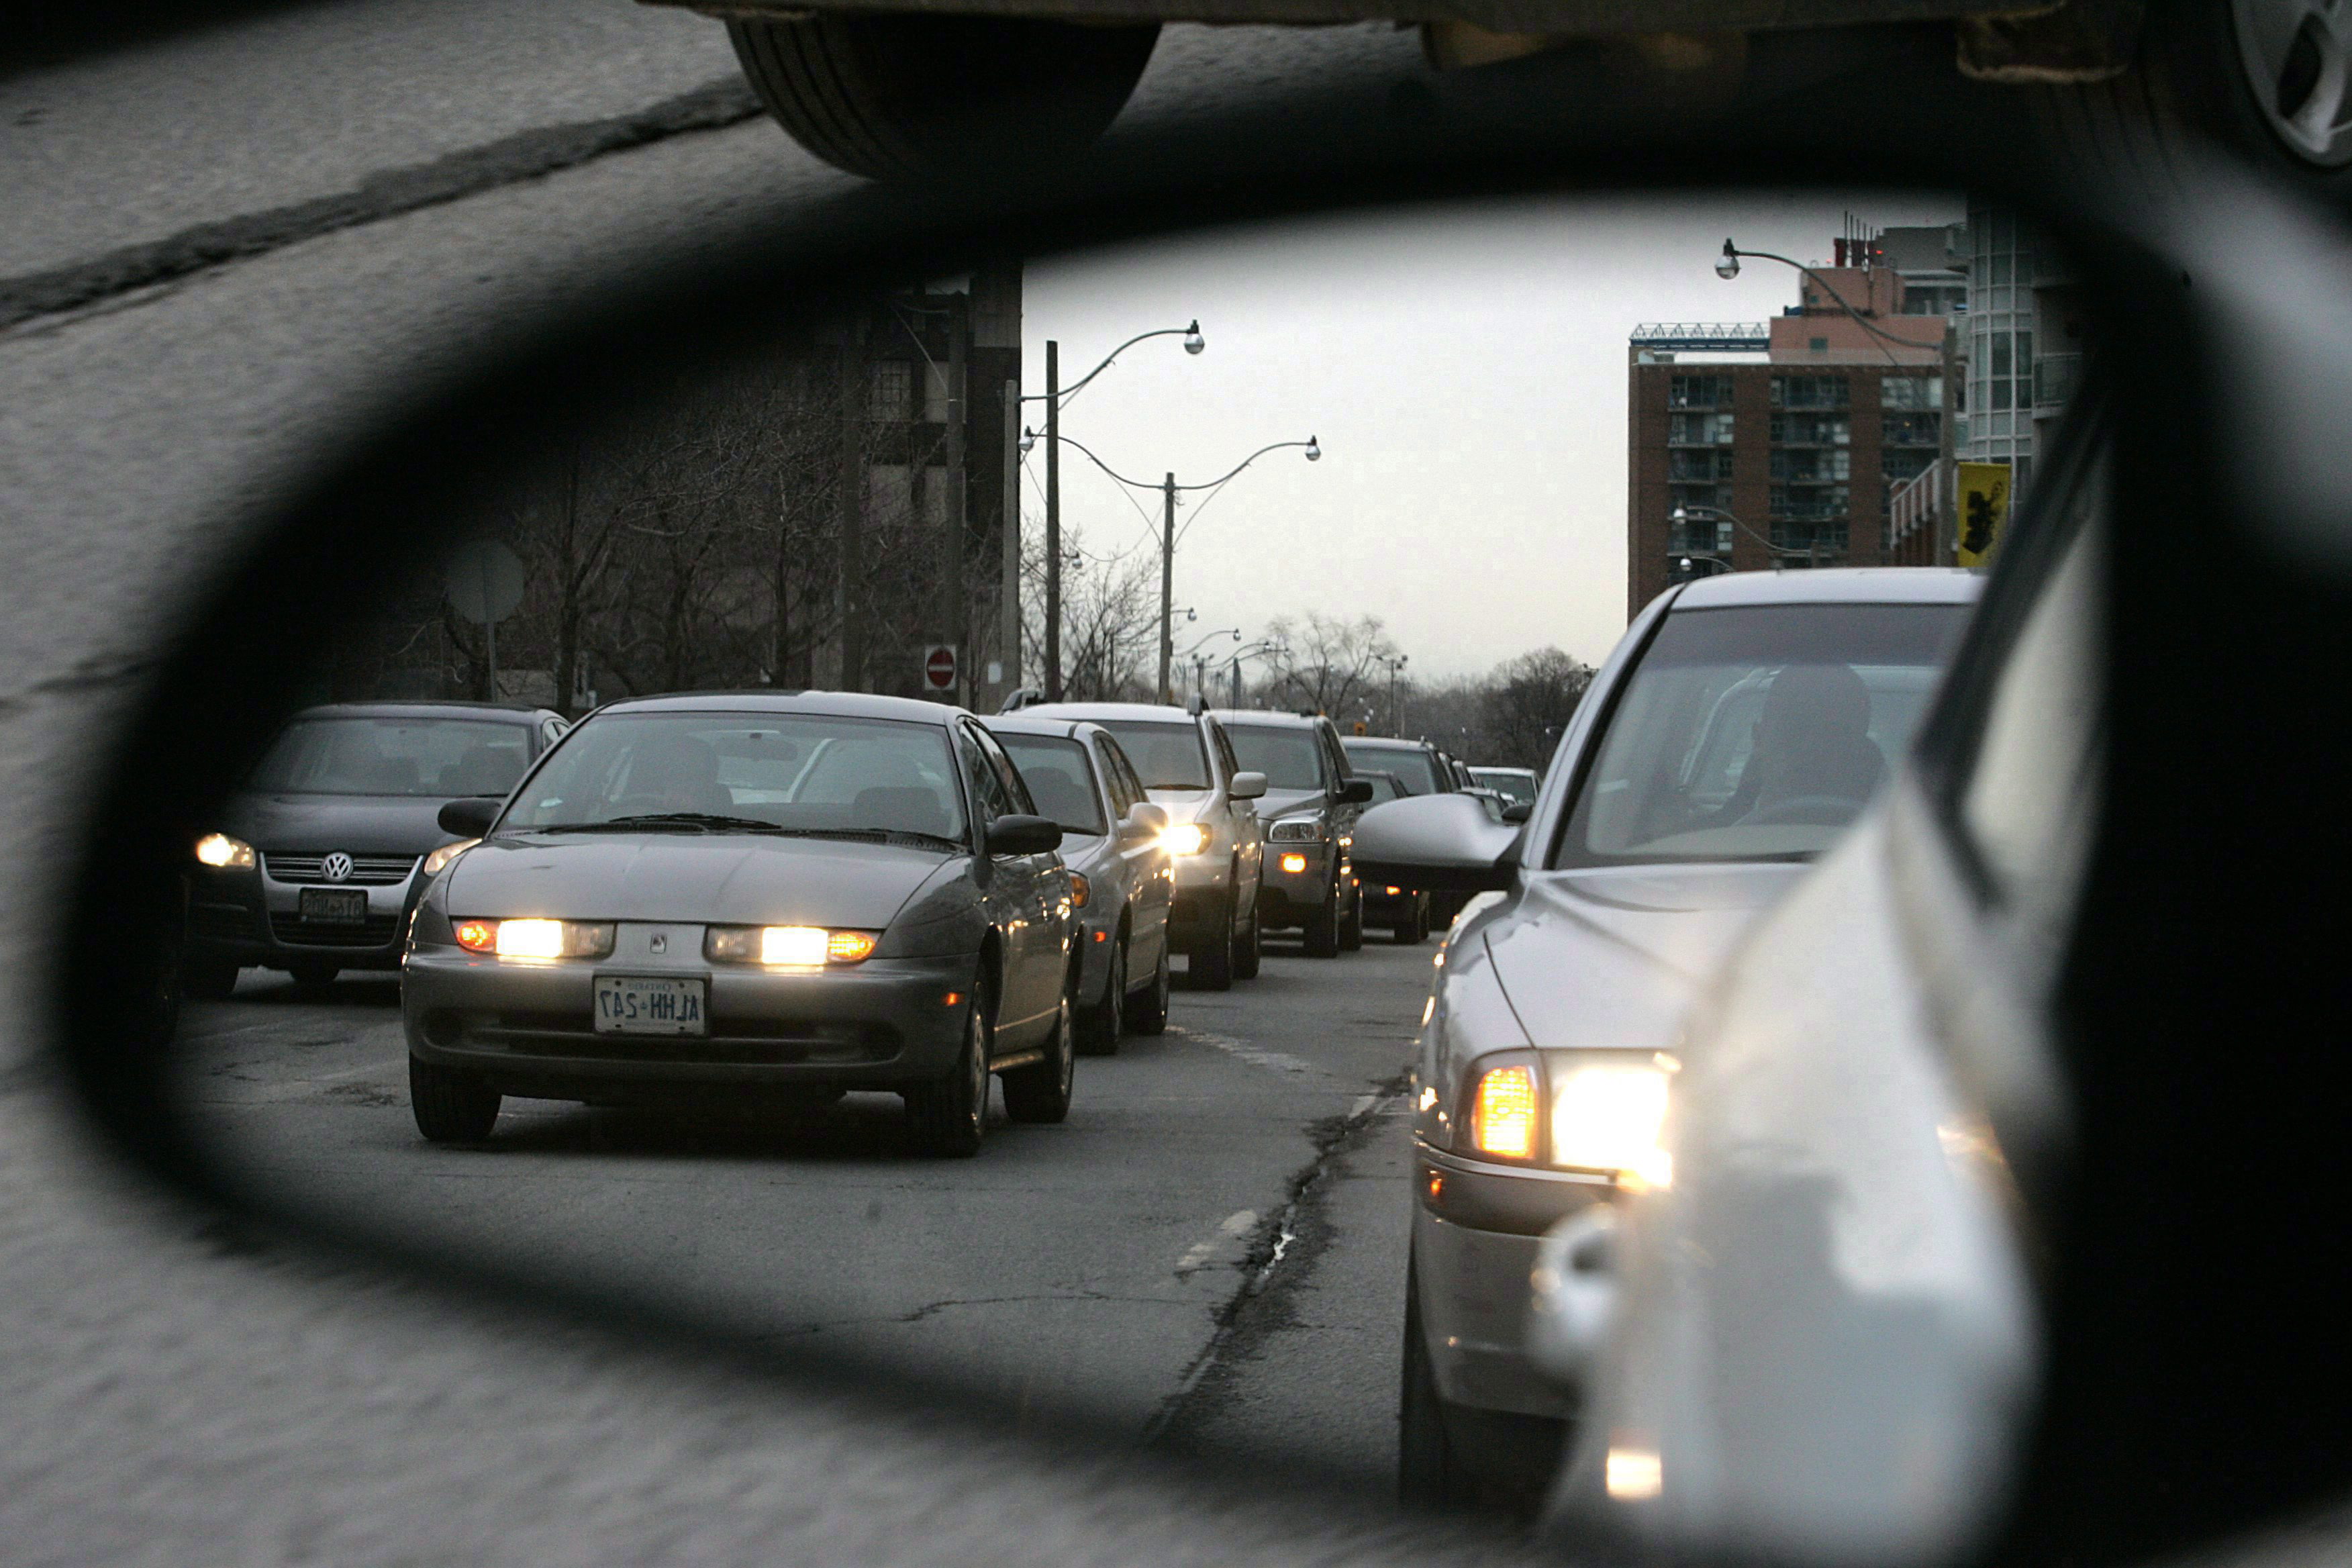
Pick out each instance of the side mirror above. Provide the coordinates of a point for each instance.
(471, 816)
(1247, 786)
(1519, 811)
(1019, 835)
(1448, 842)
(1355, 791)
(1146, 817)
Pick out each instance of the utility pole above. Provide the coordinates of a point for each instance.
(952, 567)
(1008, 615)
(1054, 523)
(852, 504)
(1166, 582)
(1948, 484)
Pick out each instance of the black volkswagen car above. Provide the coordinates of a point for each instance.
(317, 862)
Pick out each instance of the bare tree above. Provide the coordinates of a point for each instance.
(1110, 618)
(1527, 704)
(1328, 662)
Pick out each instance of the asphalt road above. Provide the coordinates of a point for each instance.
(1208, 1254)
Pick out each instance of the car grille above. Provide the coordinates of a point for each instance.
(749, 1041)
(224, 922)
(367, 870)
(293, 930)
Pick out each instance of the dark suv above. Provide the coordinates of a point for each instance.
(317, 862)
(1311, 802)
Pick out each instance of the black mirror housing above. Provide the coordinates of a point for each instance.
(1355, 791)
(1020, 835)
(471, 816)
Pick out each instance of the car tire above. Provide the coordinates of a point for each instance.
(1147, 1010)
(1415, 929)
(1322, 930)
(451, 1105)
(1249, 949)
(1040, 1096)
(1431, 1475)
(1098, 1026)
(208, 979)
(906, 96)
(312, 973)
(1351, 925)
(1211, 966)
(947, 1118)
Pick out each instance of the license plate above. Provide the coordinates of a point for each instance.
(629, 1006)
(334, 906)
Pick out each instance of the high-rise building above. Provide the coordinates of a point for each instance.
(2024, 347)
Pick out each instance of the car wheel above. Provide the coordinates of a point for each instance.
(947, 1117)
(1351, 927)
(1323, 927)
(1040, 1095)
(902, 97)
(451, 1106)
(1098, 1026)
(1429, 1472)
(1414, 930)
(208, 979)
(1249, 949)
(1210, 967)
(311, 973)
(1147, 1010)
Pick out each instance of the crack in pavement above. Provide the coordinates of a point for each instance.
(932, 1309)
(1332, 1136)
(525, 155)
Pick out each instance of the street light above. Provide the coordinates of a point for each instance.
(1395, 666)
(1053, 397)
(1727, 266)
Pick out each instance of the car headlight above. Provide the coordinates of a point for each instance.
(221, 852)
(1294, 830)
(1185, 838)
(1603, 1116)
(1080, 891)
(536, 938)
(787, 947)
(440, 858)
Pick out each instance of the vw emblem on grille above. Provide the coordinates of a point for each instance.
(336, 868)
(660, 942)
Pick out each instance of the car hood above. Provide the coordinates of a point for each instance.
(1277, 803)
(321, 823)
(691, 879)
(1612, 957)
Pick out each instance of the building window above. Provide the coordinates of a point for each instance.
(1698, 430)
(1911, 429)
(2055, 378)
(1700, 392)
(1697, 496)
(1822, 538)
(889, 492)
(1812, 430)
(1807, 504)
(1809, 392)
(892, 393)
(1810, 464)
(1900, 467)
(1911, 392)
(935, 394)
(1701, 535)
(1705, 463)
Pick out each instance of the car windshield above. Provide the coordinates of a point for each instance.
(1060, 779)
(1508, 781)
(1168, 756)
(1288, 758)
(1415, 770)
(747, 771)
(394, 756)
(1758, 732)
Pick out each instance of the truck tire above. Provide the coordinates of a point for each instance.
(907, 96)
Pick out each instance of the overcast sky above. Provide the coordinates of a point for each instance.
(1466, 372)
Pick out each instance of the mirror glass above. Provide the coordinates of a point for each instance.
(688, 1027)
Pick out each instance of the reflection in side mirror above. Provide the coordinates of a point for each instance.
(470, 817)
(1023, 835)
(1248, 784)
(1438, 842)
(1356, 792)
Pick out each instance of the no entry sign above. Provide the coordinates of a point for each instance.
(939, 667)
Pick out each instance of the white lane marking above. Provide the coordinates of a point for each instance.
(1232, 1227)
(1363, 1102)
(1278, 1061)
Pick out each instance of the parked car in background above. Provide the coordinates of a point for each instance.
(1188, 764)
(1517, 784)
(317, 863)
(1739, 730)
(1308, 811)
(731, 897)
(1122, 878)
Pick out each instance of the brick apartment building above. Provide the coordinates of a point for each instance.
(1803, 428)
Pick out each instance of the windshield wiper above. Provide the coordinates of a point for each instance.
(880, 834)
(666, 821)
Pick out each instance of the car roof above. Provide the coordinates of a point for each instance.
(1836, 585)
(1500, 768)
(1101, 711)
(763, 699)
(1397, 742)
(1270, 718)
(1024, 723)
(520, 712)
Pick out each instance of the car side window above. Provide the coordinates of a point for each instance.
(1106, 761)
(1130, 781)
(1016, 788)
(1335, 760)
(1225, 758)
(551, 732)
(989, 799)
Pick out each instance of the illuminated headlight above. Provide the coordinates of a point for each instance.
(536, 938)
(218, 849)
(1185, 838)
(439, 859)
(1081, 891)
(786, 947)
(1607, 1116)
(1294, 830)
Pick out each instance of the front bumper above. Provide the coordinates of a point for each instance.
(1475, 1230)
(256, 921)
(529, 1029)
